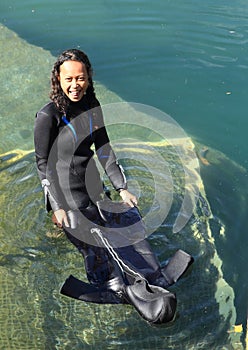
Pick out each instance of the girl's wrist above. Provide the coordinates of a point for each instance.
(122, 189)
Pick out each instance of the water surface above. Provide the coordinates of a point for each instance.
(190, 61)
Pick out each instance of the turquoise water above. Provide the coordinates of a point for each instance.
(190, 60)
(180, 57)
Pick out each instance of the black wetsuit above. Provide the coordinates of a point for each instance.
(71, 181)
(67, 161)
(68, 172)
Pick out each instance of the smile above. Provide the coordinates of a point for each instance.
(74, 93)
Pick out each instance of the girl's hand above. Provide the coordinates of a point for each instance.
(128, 198)
(59, 217)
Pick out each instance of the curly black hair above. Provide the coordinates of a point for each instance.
(57, 95)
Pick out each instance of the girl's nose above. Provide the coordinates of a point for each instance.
(74, 83)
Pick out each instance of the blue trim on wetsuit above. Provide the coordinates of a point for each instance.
(100, 155)
(66, 121)
(91, 125)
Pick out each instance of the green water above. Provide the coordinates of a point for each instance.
(189, 60)
(180, 57)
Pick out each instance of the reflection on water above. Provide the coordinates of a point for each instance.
(226, 185)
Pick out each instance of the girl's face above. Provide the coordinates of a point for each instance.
(73, 78)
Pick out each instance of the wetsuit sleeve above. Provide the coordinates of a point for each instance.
(45, 133)
(107, 156)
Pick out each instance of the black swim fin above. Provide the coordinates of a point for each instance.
(154, 304)
(80, 290)
(177, 266)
